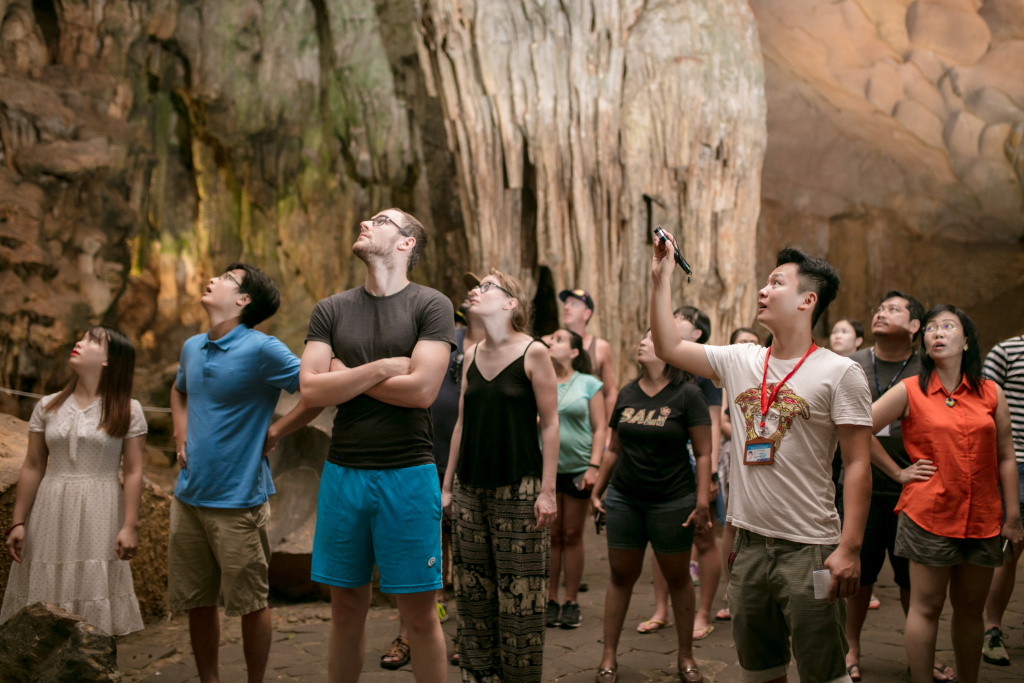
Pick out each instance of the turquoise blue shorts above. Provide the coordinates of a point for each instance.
(391, 518)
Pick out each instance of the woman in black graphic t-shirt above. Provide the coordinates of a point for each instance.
(654, 496)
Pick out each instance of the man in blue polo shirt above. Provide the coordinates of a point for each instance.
(229, 381)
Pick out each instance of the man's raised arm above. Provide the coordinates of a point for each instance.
(668, 345)
(418, 388)
(321, 387)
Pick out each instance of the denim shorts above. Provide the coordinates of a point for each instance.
(391, 518)
(633, 523)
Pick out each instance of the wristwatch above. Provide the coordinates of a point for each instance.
(714, 477)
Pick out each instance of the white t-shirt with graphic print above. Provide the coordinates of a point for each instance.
(794, 498)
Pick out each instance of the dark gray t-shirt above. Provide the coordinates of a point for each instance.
(361, 328)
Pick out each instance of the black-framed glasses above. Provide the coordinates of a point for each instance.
(237, 283)
(379, 221)
(455, 374)
(485, 287)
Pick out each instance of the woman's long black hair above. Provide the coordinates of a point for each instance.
(970, 364)
(581, 363)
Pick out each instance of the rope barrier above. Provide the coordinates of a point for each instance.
(149, 409)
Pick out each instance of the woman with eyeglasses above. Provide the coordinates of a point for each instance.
(952, 526)
(74, 528)
(499, 489)
(581, 430)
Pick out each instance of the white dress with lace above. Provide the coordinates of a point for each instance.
(69, 554)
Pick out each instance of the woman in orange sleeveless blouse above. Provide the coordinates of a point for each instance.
(956, 427)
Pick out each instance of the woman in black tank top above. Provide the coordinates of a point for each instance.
(499, 489)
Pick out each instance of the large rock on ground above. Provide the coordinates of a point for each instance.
(149, 567)
(44, 644)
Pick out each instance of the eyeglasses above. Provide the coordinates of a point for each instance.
(891, 309)
(232, 278)
(485, 287)
(379, 221)
(935, 327)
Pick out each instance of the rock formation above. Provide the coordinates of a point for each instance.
(44, 644)
(896, 149)
(145, 145)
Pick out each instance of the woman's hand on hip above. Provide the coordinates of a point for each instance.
(922, 470)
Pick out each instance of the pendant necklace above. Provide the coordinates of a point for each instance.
(950, 401)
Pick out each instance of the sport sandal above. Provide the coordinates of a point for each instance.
(398, 652)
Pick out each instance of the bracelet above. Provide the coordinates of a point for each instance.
(714, 477)
(596, 467)
(13, 527)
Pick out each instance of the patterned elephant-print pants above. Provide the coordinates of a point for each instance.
(500, 567)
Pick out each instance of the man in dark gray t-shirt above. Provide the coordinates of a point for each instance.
(379, 352)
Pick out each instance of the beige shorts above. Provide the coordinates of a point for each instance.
(218, 556)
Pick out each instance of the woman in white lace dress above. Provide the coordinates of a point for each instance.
(73, 528)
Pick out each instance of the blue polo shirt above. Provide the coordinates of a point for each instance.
(233, 385)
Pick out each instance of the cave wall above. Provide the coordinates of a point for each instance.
(145, 144)
(896, 150)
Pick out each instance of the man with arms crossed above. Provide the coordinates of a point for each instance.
(782, 497)
(229, 381)
(380, 500)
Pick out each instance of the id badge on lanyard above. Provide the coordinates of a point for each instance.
(761, 450)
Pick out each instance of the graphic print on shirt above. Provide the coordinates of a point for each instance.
(633, 416)
(786, 407)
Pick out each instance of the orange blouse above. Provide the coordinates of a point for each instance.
(961, 500)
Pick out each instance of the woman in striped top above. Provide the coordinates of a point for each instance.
(1005, 367)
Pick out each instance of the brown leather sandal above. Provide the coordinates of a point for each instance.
(398, 653)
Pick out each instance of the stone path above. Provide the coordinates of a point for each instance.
(161, 653)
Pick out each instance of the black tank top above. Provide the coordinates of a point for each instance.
(499, 428)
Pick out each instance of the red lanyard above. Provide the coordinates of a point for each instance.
(767, 401)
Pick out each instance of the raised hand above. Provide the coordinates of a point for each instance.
(664, 260)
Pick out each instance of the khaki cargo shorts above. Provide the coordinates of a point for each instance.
(218, 556)
(771, 599)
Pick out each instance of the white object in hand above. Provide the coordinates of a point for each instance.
(822, 581)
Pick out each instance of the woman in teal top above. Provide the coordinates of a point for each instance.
(581, 430)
